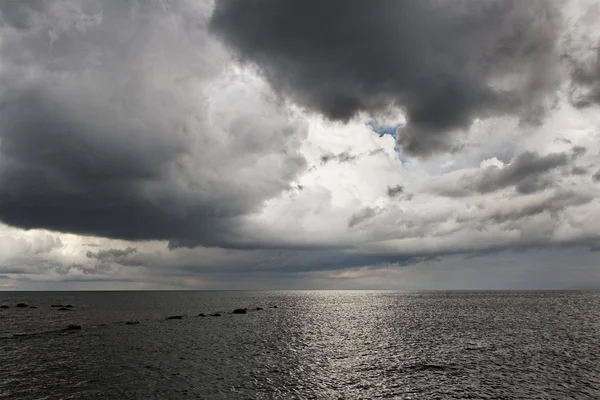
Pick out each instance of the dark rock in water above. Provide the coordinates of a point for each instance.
(258, 308)
(73, 327)
(240, 311)
(32, 307)
(274, 307)
(4, 307)
(56, 305)
(202, 315)
(22, 305)
(215, 315)
(132, 322)
(175, 317)
(63, 309)
(69, 306)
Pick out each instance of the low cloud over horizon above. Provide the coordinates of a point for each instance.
(229, 144)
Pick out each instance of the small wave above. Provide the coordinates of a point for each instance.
(38, 334)
(419, 367)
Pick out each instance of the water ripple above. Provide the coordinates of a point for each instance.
(315, 345)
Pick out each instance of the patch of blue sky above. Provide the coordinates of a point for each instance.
(391, 130)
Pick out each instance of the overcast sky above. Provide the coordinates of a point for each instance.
(299, 144)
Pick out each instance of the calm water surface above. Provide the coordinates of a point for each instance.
(315, 345)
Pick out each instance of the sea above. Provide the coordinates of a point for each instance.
(300, 345)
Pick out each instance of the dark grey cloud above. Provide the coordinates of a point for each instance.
(342, 157)
(527, 172)
(117, 121)
(445, 63)
(578, 170)
(556, 203)
(578, 151)
(361, 216)
(585, 83)
(286, 261)
(111, 254)
(596, 176)
(394, 191)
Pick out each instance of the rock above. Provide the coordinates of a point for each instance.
(22, 305)
(4, 307)
(64, 309)
(56, 305)
(202, 315)
(73, 327)
(132, 322)
(258, 308)
(274, 307)
(69, 306)
(240, 311)
(32, 307)
(215, 315)
(175, 317)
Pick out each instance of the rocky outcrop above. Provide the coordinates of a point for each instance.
(22, 305)
(215, 315)
(240, 311)
(132, 322)
(64, 309)
(73, 327)
(202, 315)
(175, 317)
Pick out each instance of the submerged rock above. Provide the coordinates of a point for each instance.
(63, 309)
(73, 327)
(4, 307)
(274, 307)
(175, 317)
(215, 315)
(69, 306)
(32, 307)
(240, 311)
(22, 305)
(56, 305)
(202, 315)
(258, 308)
(132, 322)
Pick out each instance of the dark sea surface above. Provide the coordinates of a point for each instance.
(314, 345)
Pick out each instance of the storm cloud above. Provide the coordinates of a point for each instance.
(582, 54)
(124, 120)
(527, 172)
(444, 63)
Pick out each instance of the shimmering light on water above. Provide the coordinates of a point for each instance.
(315, 345)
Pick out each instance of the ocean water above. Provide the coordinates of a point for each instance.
(314, 345)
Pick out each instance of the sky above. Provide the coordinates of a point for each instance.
(305, 144)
